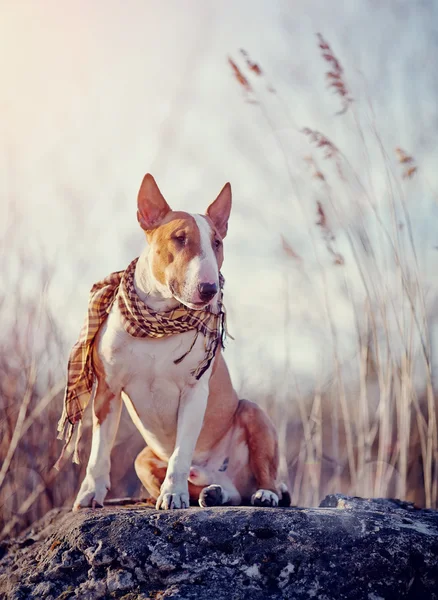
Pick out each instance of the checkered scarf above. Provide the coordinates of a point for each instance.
(139, 321)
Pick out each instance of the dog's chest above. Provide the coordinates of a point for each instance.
(148, 368)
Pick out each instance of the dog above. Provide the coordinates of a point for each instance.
(204, 445)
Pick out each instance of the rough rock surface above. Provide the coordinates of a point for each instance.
(347, 548)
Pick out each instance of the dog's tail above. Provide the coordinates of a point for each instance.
(285, 499)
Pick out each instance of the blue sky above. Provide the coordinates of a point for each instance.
(96, 94)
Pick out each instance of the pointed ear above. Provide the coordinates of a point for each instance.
(219, 210)
(151, 205)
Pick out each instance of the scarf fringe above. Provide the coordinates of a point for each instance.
(181, 358)
(68, 432)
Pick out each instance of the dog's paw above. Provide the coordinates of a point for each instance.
(167, 501)
(92, 493)
(264, 498)
(285, 499)
(213, 495)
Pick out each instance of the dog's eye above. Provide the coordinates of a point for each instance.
(217, 244)
(181, 239)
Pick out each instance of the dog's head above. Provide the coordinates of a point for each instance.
(186, 251)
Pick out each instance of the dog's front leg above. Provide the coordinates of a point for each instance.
(106, 417)
(174, 491)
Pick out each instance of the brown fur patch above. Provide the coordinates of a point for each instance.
(151, 471)
(261, 438)
(168, 251)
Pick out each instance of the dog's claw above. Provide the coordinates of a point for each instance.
(168, 501)
(264, 498)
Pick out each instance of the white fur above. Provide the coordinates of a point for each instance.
(161, 398)
(202, 268)
(174, 490)
(152, 385)
(166, 402)
(97, 480)
(208, 271)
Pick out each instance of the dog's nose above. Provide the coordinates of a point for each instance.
(207, 291)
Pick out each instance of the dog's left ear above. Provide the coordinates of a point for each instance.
(151, 205)
(219, 210)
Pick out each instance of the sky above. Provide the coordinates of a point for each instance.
(94, 95)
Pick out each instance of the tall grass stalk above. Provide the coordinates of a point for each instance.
(372, 451)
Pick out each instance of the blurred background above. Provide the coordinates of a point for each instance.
(329, 142)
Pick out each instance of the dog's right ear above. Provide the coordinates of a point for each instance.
(151, 205)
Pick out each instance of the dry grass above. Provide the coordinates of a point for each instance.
(374, 434)
(33, 355)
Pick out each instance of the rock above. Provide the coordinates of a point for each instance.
(346, 548)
